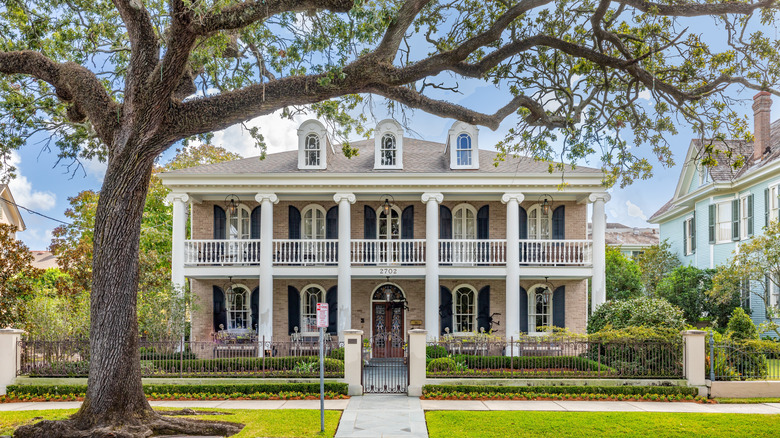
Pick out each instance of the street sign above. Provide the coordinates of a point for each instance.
(322, 315)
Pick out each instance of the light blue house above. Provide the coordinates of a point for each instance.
(713, 209)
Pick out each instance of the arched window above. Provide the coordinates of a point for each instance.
(238, 223)
(310, 296)
(389, 223)
(539, 223)
(539, 309)
(311, 150)
(465, 309)
(463, 148)
(238, 308)
(313, 222)
(388, 150)
(464, 222)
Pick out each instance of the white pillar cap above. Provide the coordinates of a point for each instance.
(260, 197)
(605, 197)
(349, 197)
(428, 197)
(512, 196)
(181, 197)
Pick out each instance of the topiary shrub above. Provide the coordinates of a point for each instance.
(636, 312)
(435, 351)
(741, 327)
(442, 364)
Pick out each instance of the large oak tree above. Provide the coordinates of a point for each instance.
(124, 80)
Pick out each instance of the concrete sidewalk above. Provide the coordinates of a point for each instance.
(383, 416)
(337, 405)
(598, 406)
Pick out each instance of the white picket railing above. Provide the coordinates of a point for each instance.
(556, 252)
(472, 251)
(388, 252)
(306, 251)
(219, 252)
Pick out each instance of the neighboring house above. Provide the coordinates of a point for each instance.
(632, 241)
(9, 212)
(408, 234)
(713, 209)
(43, 260)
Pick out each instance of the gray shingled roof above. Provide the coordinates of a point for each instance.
(420, 156)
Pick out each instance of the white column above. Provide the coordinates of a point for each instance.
(344, 200)
(512, 201)
(178, 235)
(599, 280)
(266, 303)
(432, 201)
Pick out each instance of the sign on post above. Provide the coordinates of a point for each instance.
(322, 324)
(322, 315)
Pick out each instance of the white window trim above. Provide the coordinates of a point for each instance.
(303, 314)
(304, 130)
(774, 294)
(389, 126)
(532, 310)
(457, 129)
(231, 311)
(773, 202)
(312, 208)
(379, 212)
(688, 236)
(475, 307)
(743, 216)
(229, 216)
(458, 149)
(539, 219)
(718, 206)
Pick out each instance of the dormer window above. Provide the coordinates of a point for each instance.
(312, 150)
(463, 151)
(387, 150)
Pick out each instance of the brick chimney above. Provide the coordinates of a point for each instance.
(762, 102)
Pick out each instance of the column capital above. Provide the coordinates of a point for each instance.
(603, 196)
(181, 197)
(349, 197)
(428, 197)
(512, 196)
(260, 197)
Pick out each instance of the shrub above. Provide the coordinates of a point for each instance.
(337, 353)
(442, 364)
(636, 312)
(435, 351)
(741, 327)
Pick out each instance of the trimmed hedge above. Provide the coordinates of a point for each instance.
(245, 364)
(441, 365)
(611, 390)
(530, 362)
(270, 388)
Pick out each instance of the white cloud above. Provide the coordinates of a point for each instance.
(23, 191)
(281, 134)
(645, 94)
(635, 211)
(96, 168)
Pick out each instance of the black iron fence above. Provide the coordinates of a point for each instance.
(178, 358)
(751, 360)
(542, 357)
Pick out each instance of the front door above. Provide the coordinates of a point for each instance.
(388, 333)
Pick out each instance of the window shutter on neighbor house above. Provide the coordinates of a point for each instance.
(750, 214)
(445, 222)
(483, 309)
(293, 309)
(693, 232)
(685, 237)
(766, 207)
(332, 298)
(369, 223)
(483, 222)
(559, 223)
(445, 310)
(523, 310)
(219, 223)
(735, 219)
(559, 307)
(332, 223)
(255, 308)
(294, 223)
(220, 313)
(712, 222)
(407, 223)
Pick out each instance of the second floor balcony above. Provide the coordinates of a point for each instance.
(387, 252)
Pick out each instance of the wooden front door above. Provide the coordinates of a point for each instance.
(388, 334)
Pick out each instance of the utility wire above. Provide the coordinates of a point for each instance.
(34, 212)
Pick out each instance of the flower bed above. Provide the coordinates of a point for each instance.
(456, 395)
(12, 397)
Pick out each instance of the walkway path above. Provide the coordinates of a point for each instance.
(383, 416)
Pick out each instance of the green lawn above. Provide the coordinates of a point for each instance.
(265, 423)
(500, 424)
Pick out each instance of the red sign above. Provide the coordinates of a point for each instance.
(322, 315)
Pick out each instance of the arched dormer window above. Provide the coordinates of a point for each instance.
(312, 150)
(239, 223)
(313, 222)
(539, 223)
(388, 150)
(388, 145)
(463, 150)
(463, 146)
(312, 143)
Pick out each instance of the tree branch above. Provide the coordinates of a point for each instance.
(697, 10)
(143, 42)
(248, 12)
(395, 32)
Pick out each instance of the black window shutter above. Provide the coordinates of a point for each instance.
(559, 223)
(750, 215)
(559, 307)
(483, 309)
(294, 223)
(254, 223)
(735, 219)
(523, 220)
(445, 222)
(712, 223)
(293, 309)
(766, 207)
(219, 223)
(407, 223)
(483, 222)
(445, 309)
(332, 298)
(369, 223)
(523, 311)
(220, 313)
(332, 223)
(255, 307)
(693, 232)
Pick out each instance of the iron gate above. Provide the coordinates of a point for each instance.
(385, 370)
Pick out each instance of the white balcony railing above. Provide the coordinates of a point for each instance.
(306, 251)
(473, 251)
(215, 252)
(556, 252)
(388, 252)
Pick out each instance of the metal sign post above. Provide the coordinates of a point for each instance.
(322, 323)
